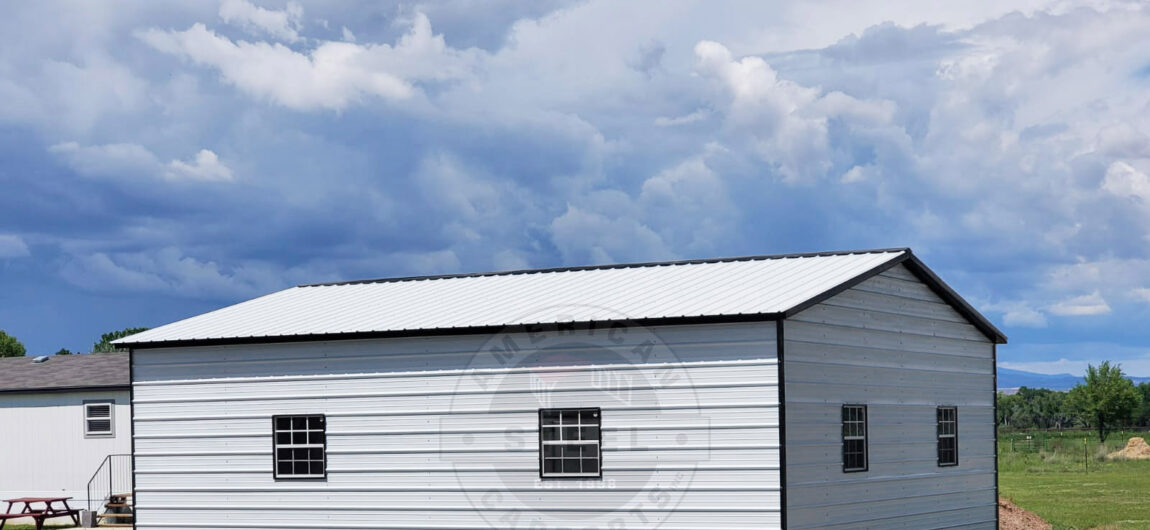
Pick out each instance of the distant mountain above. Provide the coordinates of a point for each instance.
(1009, 380)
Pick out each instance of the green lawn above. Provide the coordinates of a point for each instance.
(1056, 486)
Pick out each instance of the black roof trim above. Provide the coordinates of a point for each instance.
(473, 330)
(613, 266)
(927, 276)
(58, 389)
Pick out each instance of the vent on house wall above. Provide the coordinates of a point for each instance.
(98, 419)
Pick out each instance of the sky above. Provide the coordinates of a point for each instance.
(160, 160)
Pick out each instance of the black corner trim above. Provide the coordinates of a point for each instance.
(994, 360)
(132, 432)
(782, 379)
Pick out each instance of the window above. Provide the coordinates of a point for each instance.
(947, 436)
(300, 446)
(569, 443)
(98, 419)
(854, 438)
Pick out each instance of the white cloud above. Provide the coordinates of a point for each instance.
(168, 270)
(1087, 304)
(13, 246)
(697, 116)
(127, 160)
(348, 36)
(589, 237)
(333, 75)
(1018, 313)
(1125, 181)
(283, 25)
(114, 160)
(206, 166)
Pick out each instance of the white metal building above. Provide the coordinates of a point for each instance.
(831, 390)
(59, 421)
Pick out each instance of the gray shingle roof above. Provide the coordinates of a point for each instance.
(96, 370)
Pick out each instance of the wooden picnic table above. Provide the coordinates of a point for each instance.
(49, 511)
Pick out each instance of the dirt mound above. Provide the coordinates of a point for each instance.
(1011, 517)
(1136, 449)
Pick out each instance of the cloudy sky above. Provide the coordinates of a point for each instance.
(158, 160)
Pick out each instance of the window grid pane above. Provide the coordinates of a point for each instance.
(569, 442)
(854, 438)
(300, 446)
(947, 436)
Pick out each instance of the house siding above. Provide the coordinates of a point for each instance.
(892, 344)
(426, 433)
(43, 450)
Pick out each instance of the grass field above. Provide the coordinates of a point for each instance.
(1051, 479)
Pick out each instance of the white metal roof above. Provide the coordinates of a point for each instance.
(761, 285)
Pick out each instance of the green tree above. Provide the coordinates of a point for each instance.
(63, 351)
(105, 344)
(10, 347)
(1144, 415)
(1108, 398)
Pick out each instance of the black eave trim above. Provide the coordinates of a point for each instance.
(68, 388)
(471, 330)
(781, 366)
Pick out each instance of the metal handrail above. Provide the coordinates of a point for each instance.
(108, 467)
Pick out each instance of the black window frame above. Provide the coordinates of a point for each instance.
(598, 413)
(941, 421)
(307, 446)
(865, 453)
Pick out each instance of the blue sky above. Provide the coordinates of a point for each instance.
(158, 161)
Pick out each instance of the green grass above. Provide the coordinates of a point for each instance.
(1053, 482)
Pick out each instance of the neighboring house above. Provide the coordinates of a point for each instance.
(831, 390)
(59, 420)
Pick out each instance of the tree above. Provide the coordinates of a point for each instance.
(63, 351)
(10, 347)
(1108, 398)
(105, 344)
(1144, 415)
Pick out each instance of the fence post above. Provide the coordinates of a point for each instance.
(1086, 455)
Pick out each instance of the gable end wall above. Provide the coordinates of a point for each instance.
(892, 344)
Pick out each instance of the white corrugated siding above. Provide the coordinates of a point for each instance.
(892, 344)
(418, 432)
(752, 286)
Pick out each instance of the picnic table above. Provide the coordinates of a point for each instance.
(48, 511)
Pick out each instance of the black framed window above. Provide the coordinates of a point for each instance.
(947, 436)
(854, 438)
(569, 443)
(300, 446)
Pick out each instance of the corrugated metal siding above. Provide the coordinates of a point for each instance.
(43, 450)
(894, 345)
(418, 433)
(737, 287)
